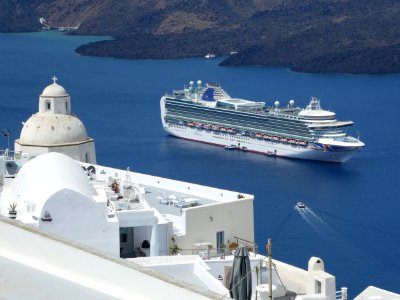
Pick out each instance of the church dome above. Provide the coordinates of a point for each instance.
(44, 129)
(47, 174)
(54, 90)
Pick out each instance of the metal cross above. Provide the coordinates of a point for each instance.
(54, 79)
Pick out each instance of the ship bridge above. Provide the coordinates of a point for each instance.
(240, 104)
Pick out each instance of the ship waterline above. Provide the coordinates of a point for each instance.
(208, 114)
(269, 148)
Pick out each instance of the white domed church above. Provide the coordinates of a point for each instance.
(54, 129)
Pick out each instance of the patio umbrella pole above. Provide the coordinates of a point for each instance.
(269, 250)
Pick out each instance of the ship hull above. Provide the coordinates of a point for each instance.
(252, 144)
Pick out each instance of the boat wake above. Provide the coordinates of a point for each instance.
(316, 222)
(307, 218)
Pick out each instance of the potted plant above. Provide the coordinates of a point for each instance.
(12, 210)
(233, 246)
(174, 249)
(209, 246)
(257, 274)
(222, 247)
(115, 185)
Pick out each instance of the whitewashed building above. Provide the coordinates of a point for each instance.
(54, 129)
(76, 200)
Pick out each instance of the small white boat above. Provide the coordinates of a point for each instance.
(230, 147)
(210, 56)
(300, 205)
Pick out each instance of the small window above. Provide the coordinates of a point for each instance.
(318, 287)
(220, 240)
(48, 105)
(66, 106)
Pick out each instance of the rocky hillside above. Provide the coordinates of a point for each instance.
(352, 36)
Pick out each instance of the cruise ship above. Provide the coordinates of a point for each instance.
(207, 113)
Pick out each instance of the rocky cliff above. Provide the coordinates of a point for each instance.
(351, 36)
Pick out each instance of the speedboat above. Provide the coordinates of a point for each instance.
(300, 205)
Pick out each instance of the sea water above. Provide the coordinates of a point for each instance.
(352, 217)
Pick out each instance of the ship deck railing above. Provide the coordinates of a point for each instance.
(10, 155)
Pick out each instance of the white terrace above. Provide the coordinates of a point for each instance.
(121, 212)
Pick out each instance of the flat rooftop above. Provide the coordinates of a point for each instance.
(165, 195)
(169, 201)
(18, 281)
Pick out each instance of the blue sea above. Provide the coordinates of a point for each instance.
(352, 222)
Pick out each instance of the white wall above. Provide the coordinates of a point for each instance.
(303, 282)
(75, 151)
(90, 268)
(185, 187)
(234, 217)
(78, 218)
(296, 279)
(193, 268)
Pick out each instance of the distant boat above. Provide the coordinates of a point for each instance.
(210, 56)
(244, 149)
(233, 52)
(68, 28)
(300, 205)
(230, 147)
